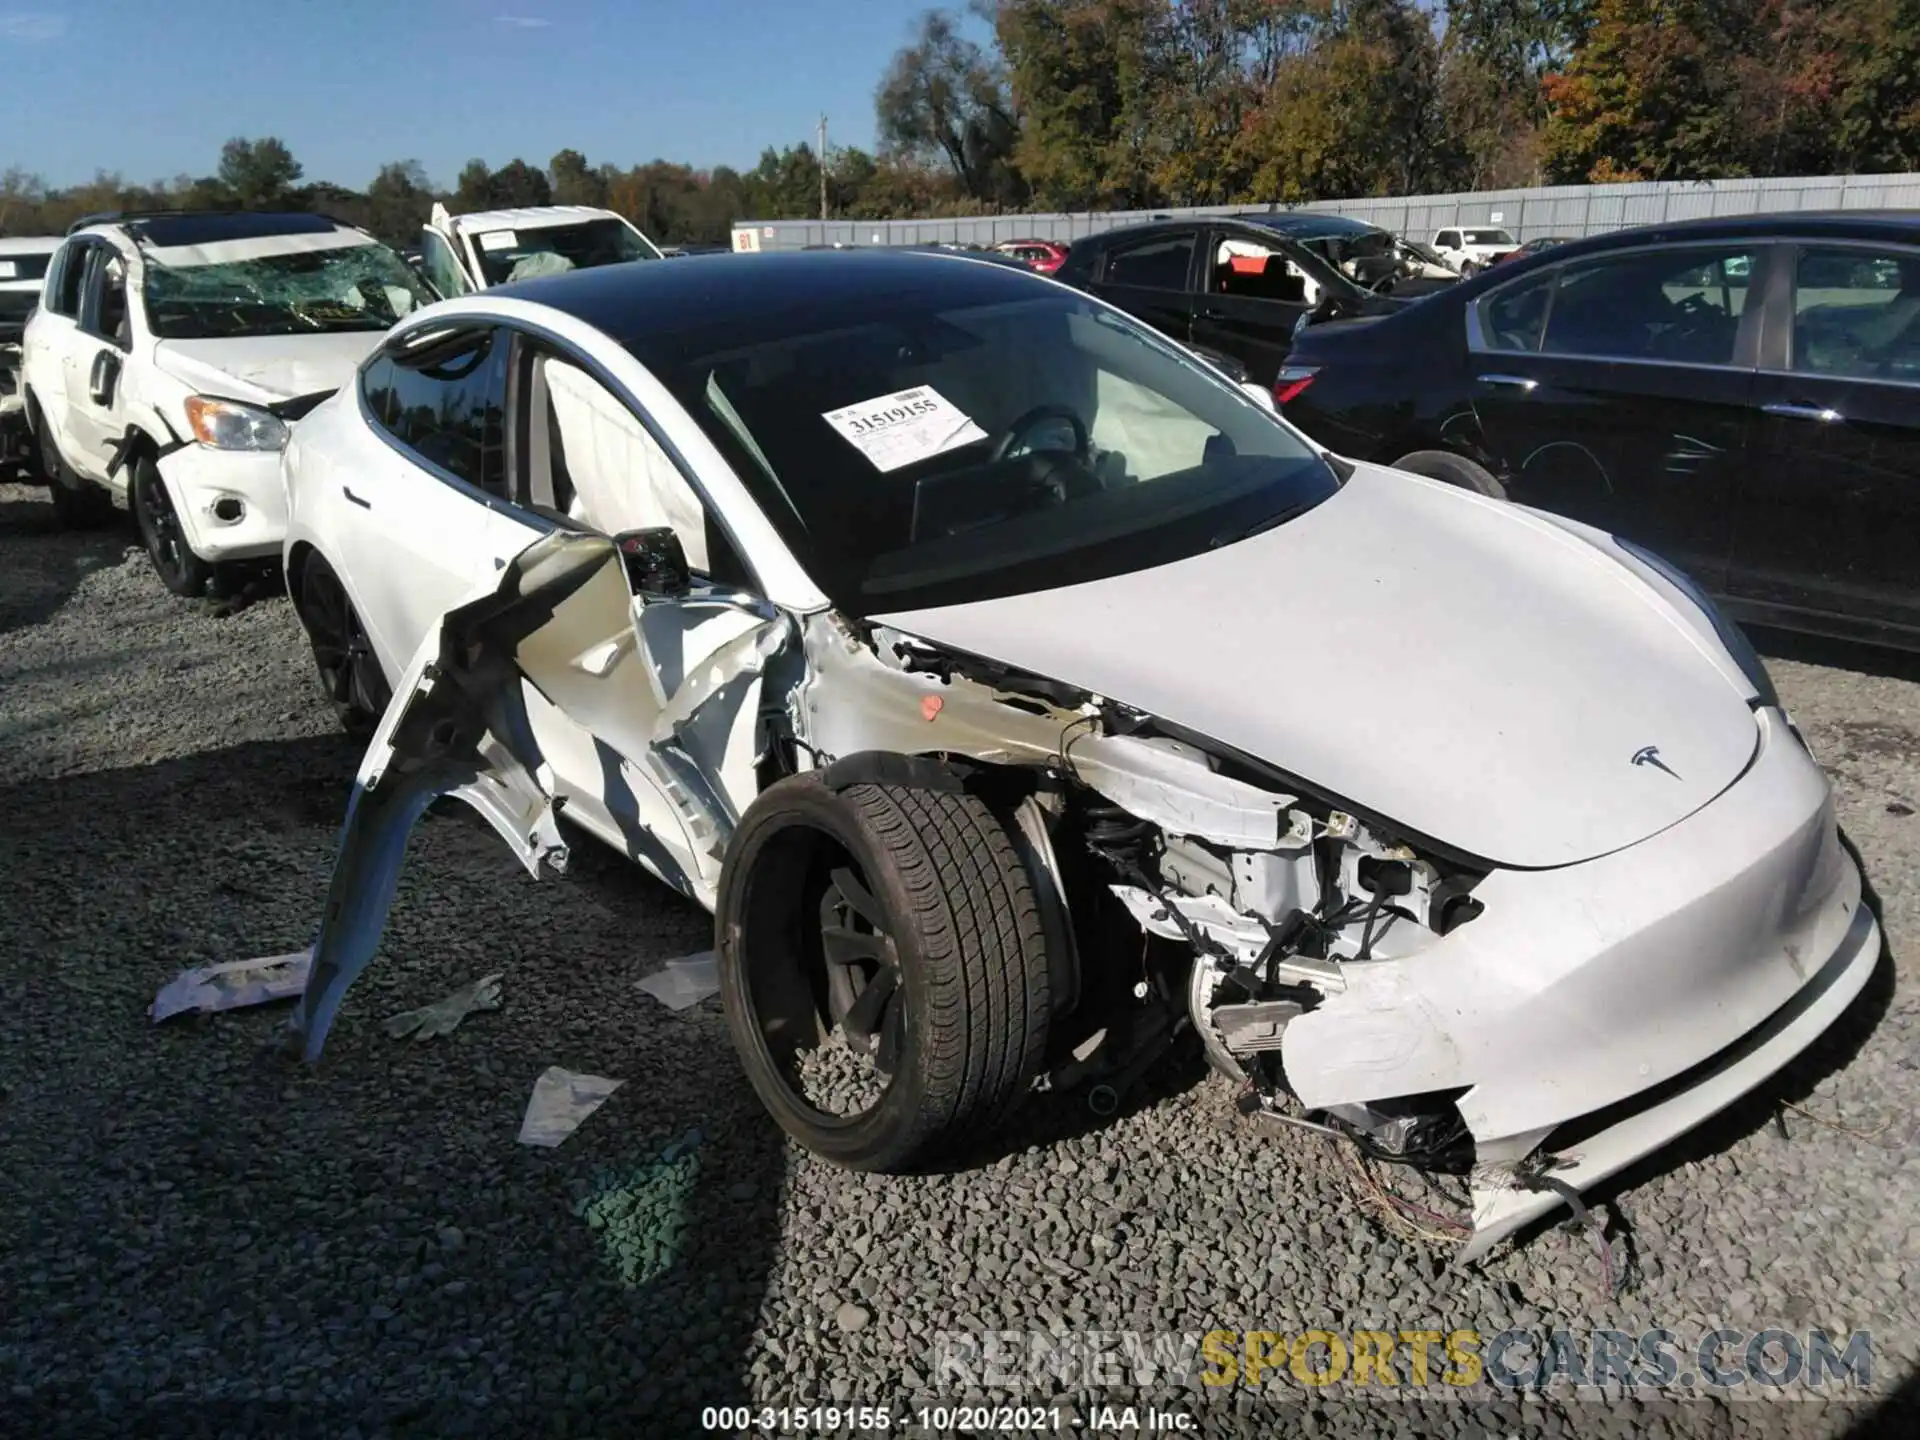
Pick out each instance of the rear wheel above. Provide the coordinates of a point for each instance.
(1454, 469)
(179, 569)
(77, 505)
(350, 673)
(883, 965)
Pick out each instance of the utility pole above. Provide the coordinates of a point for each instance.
(823, 167)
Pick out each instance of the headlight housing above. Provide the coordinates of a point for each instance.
(1730, 635)
(230, 425)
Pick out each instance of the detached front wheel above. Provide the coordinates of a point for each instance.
(883, 966)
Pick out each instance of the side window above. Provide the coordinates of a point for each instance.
(376, 387)
(1448, 240)
(1251, 271)
(446, 401)
(65, 277)
(1513, 318)
(1673, 305)
(443, 270)
(1154, 265)
(1856, 313)
(590, 458)
(106, 312)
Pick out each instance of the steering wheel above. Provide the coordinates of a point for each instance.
(1016, 432)
(1055, 476)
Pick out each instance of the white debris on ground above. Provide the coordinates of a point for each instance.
(685, 982)
(233, 985)
(561, 1101)
(443, 1016)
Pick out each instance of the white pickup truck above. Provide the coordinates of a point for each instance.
(460, 254)
(1470, 249)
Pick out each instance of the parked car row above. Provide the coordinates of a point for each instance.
(960, 640)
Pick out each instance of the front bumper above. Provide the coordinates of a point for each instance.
(1602, 1009)
(232, 504)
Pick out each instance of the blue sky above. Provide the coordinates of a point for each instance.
(153, 89)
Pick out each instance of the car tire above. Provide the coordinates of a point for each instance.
(954, 945)
(350, 674)
(77, 504)
(1453, 469)
(1468, 269)
(179, 569)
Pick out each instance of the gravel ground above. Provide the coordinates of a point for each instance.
(196, 1237)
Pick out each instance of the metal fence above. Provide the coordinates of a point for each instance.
(1565, 210)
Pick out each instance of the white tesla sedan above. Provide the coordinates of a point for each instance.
(1004, 678)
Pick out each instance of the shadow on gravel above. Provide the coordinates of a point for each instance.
(205, 1237)
(45, 563)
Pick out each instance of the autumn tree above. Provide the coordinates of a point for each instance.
(944, 96)
(574, 183)
(258, 173)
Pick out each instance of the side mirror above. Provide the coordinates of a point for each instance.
(656, 562)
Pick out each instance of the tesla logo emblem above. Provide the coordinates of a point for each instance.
(1650, 755)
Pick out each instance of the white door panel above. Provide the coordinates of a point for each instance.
(413, 542)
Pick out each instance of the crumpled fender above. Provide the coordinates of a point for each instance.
(457, 726)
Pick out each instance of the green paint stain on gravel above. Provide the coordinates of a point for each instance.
(641, 1215)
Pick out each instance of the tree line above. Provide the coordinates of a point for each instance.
(1090, 104)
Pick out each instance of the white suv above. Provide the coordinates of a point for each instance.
(460, 254)
(1473, 248)
(169, 356)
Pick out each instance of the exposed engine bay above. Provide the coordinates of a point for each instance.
(1266, 899)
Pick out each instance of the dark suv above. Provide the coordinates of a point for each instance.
(1740, 394)
(1235, 288)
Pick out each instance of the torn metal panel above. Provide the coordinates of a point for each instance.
(858, 697)
(1174, 786)
(457, 726)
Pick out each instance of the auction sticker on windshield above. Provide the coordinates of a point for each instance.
(908, 425)
(497, 239)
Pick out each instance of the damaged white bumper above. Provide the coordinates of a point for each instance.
(231, 503)
(1598, 1011)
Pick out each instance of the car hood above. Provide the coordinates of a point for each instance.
(265, 368)
(1452, 664)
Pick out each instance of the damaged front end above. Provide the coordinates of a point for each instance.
(1525, 1032)
(1528, 1032)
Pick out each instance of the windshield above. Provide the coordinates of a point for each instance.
(915, 456)
(1489, 237)
(507, 255)
(339, 288)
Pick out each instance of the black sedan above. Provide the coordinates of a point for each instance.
(1742, 394)
(1236, 288)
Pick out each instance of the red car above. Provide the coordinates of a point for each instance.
(1043, 255)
